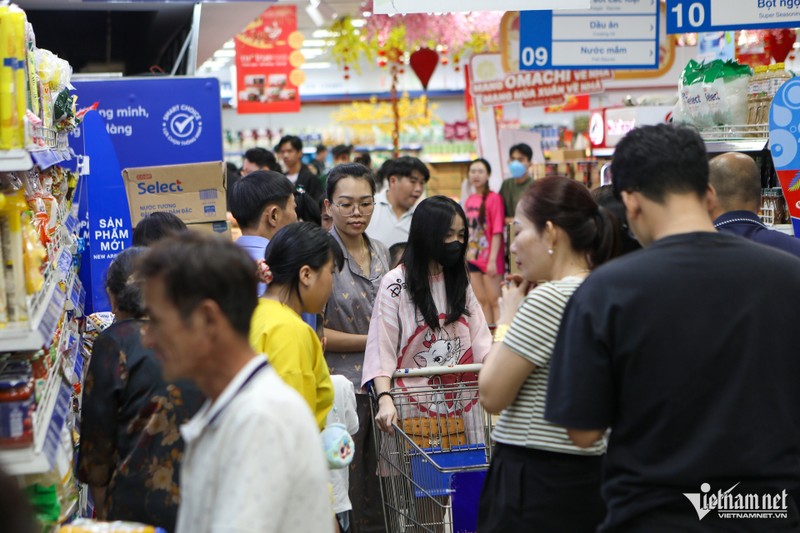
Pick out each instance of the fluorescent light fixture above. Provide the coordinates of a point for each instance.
(315, 43)
(322, 34)
(316, 66)
(224, 53)
(366, 14)
(315, 15)
(311, 53)
(359, 23)
(229, 45)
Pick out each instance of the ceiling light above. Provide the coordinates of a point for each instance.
(311, 53)
(322, 34)
(229, 45)
(359, 23)
(224, 53)
(366, 14)
(315, 43)
(316, 66)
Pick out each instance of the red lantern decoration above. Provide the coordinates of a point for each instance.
(424, 62)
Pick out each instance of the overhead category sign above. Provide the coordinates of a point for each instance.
(544, 88)
(394, 7)
(689, 16)
(612, 34)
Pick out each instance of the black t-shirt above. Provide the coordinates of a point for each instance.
(688, 351)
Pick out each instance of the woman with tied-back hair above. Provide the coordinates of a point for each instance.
(539, 480)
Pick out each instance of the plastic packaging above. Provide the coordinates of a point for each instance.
(713, 94)
(93, 526)
(14, 271)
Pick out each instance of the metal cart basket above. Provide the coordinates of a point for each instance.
(432, 468)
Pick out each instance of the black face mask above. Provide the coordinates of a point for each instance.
(448, 255)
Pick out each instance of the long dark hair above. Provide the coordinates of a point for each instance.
(297, 245)
(569, 205)
(486, 189)
(429, 226)
(126, 292)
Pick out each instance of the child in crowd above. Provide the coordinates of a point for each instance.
(343, 412)
(298, 269)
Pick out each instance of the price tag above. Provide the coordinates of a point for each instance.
(689, 16)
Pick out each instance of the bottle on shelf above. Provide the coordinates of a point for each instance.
(754, 98)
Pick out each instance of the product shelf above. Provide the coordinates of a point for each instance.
(48, 419)
(15, 160)
(45, 308)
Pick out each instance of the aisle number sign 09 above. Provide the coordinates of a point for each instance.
(689, 16)
(609, 35)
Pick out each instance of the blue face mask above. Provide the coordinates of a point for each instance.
(517, 169)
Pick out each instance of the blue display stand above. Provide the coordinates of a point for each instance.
(139, 122)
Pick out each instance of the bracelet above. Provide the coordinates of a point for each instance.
(500, 332)
(385, 393)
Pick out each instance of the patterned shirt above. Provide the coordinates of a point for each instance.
(349, 309)
(130, 440)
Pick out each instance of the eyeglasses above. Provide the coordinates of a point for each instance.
(349, 208)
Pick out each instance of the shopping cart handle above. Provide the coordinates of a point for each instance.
(436, 371)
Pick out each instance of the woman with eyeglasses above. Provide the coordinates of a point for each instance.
(350, 203)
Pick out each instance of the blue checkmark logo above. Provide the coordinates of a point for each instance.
(182, 124)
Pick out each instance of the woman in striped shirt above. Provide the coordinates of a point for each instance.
(539, 480)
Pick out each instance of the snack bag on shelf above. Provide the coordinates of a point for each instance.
(33, 77)
(34, 256)
(18, 26)
(92, 526)
(14, 268)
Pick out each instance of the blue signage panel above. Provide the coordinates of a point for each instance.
(611, 35)
(138, 123)
(689, 16)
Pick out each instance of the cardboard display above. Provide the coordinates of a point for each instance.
(195, 192)
(219, 227)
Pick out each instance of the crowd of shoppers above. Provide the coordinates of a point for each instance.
(627, 381)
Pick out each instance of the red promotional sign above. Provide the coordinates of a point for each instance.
(268, 63)
(541, 87)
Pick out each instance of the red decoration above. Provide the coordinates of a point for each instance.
(424, 62)
(779, 43)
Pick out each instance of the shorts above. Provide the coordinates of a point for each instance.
(472, 268)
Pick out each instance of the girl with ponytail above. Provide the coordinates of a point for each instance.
(561, 235)
(485, 251)
(298, 269)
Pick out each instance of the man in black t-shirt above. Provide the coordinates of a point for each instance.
(686, 355)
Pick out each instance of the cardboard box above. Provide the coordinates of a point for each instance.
(193, 192)
(220, 227)
(563, 156)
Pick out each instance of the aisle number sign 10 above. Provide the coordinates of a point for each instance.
(689, 16)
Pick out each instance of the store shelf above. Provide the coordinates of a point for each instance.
(48, 420)
(45, 309)
(47, 157)
(602, 152)
(435, 159)
(15, 160)
(737, 145)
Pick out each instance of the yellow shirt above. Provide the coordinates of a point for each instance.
(294, 351)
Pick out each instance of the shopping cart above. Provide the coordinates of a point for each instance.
(432, 469)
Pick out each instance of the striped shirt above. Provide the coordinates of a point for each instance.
(532, 336)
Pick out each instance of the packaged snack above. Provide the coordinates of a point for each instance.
(92, 526)
(14, 269)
